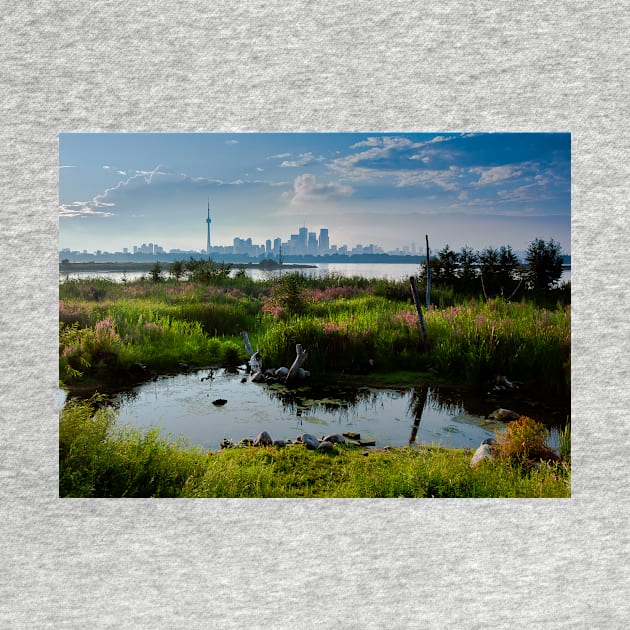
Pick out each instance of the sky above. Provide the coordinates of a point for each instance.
(478, 189)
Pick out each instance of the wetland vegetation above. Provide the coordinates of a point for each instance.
(116, 333)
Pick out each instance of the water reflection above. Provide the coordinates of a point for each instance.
(181, 405)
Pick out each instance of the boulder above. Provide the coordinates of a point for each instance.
(505, 415)
(257, 377)
(246, 442)
(263, 439)
(334, 438)
(310, 441)
(282, 371)
(279, 443)
(219, 402)
(485, 451)
(325, 446)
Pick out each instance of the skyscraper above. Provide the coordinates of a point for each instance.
(208, 221)
(303, 239)
(324, 241)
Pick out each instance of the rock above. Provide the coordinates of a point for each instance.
(219, 402)
(282, 371)
(505, 415)
(280, 443)
(334, 438)
(246, 442)
(302, 373)
(352, 436)
(263, 439)
(257, 377)
(310, 441)
(485, 451)
(227, 443)
(244, 379)
(325, 446)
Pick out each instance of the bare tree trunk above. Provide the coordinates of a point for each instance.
(297, 364)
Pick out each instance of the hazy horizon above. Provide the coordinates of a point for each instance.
(389, 189)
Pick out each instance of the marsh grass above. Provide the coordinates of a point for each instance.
(97, 458)
(347, 325)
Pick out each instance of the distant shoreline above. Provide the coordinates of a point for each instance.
(69, 267)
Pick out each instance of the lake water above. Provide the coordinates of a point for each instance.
(392, 271)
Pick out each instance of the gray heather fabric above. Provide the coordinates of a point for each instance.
(330, 66)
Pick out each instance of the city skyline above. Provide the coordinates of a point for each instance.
(388, 189)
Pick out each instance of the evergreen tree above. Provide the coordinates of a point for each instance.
(544, 260)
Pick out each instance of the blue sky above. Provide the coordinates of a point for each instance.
(478, 189)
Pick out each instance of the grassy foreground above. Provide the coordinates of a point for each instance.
(98, 458)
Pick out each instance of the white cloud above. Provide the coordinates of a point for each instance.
(446, 179)
(279, 156)
(106, 168)
(81, 209)
(231, 142)
(260, 170)
(306, 189)
(302, 160)
(494, 174)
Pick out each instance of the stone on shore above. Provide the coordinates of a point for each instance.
(485, 451)
(263, 439)
(310, 441)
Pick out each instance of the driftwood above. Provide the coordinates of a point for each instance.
(273, 375)
(255, 361)
(294, 370)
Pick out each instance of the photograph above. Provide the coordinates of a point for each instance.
(315, 315)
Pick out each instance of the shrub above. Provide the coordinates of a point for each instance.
(524, 439)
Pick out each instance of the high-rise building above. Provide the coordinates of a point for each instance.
(324, 241)
(311, 246)
(303, 240)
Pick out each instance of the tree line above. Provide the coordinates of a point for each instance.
(496, 272)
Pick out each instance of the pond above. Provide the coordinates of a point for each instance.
(182, 405)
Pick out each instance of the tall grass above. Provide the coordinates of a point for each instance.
(346, 325)
(97, 458)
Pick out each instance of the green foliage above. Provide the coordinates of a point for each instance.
(522, 440)
(341, 323)
(99, 459)
(207, 271)
(288, 293)
(176, 269)
(156, 271)
(544, 260)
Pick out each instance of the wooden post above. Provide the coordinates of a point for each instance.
(426, 236)
(416, 301)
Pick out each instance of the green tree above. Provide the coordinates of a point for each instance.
(468, 275)
(156, 271)
(489, 271)
(447, 266)
(508, 277)
(176, 269)
(544, 261)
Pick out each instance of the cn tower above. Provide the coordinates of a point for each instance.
(208, 221)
